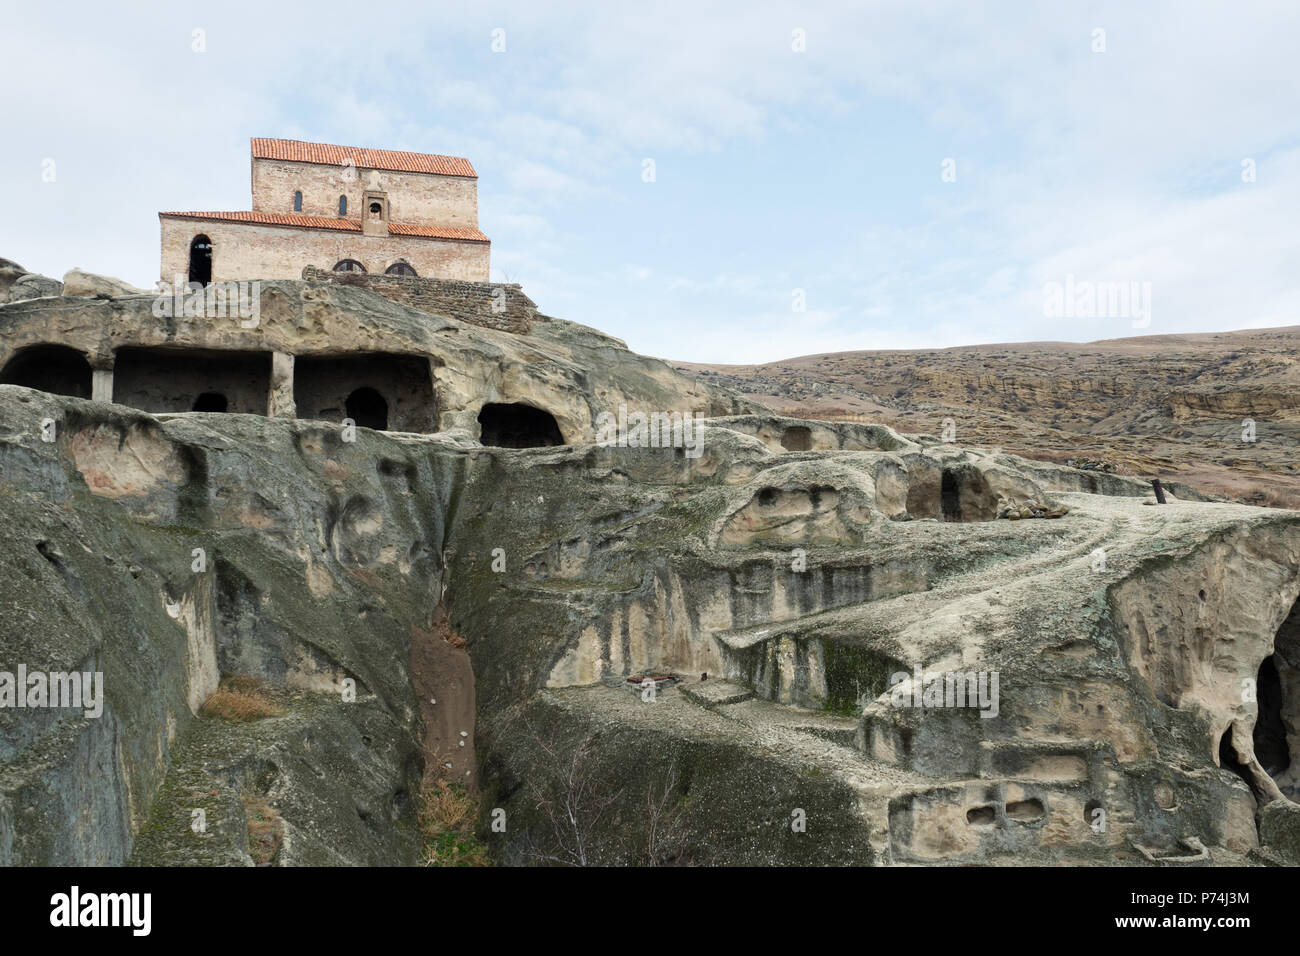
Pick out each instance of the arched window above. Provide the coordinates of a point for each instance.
(400, 269)
(201, 260)
(349, 265)
(376, 210)
(297, 201)
(343, 205)
(368, 409)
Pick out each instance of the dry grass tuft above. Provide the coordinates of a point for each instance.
(446, 817)
(241, 699)
(265, 828)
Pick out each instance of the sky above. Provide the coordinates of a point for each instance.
(729, 183)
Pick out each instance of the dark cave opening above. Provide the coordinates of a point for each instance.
(1228, 761)
(950, 495)
(368, 409)
(1270, 732)
(57, 369)
(211, 402)
(518, 426)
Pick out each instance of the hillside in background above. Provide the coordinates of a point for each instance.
(1156, 406)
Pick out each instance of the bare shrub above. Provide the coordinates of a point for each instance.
(578, 801)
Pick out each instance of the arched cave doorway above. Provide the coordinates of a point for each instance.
(211, 402)
(201, 260)
(518, 426)
(57, 369)
(367, 408)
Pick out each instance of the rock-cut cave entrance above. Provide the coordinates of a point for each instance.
(377, 390)
(954, 492)
(1276, 736)
(518, 426)
(1270, 731)
(57, 369)
(192, 380)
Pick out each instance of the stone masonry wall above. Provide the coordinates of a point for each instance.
(419, 199)
(252, 251)
(493, 305)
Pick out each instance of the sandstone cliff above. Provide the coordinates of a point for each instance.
(537, 625)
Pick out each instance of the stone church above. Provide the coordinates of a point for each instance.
(336, 208)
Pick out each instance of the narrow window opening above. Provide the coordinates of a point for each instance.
(201, 260)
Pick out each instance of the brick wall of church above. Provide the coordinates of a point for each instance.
(253, 251)
(414, 198)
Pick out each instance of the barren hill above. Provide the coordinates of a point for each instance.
(1169, 406)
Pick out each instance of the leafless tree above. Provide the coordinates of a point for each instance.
(576, 800)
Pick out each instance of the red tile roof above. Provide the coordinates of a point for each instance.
(338, 225)
(436, 232)
(295, 151)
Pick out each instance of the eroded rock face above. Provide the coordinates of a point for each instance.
(928, 654)
(17, 284)
(322, 335)
(78, 282)
(796, 577)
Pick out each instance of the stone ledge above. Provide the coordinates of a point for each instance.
(716, 693)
